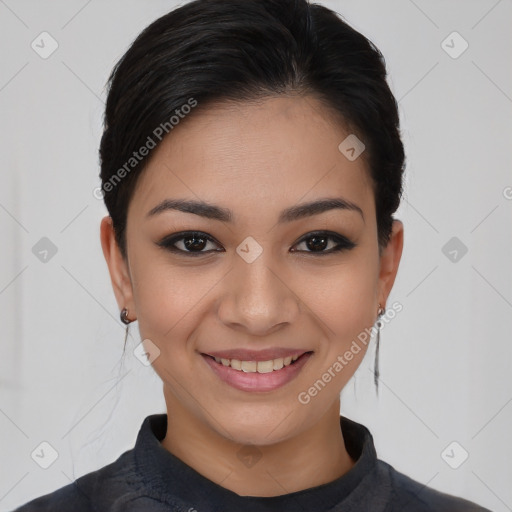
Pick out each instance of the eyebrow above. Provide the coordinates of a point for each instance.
(211, 211)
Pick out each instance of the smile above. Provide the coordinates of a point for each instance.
(257, 375)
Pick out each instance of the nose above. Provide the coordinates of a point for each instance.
(258, 297)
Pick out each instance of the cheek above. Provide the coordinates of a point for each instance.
(165, 298)
(343, 299)
(171, 303)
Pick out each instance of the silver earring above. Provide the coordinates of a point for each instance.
(380, 312)
(124, 318)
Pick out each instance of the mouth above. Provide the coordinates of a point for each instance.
(257, 376)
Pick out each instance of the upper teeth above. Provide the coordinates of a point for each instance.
(257, 366)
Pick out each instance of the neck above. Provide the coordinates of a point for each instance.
(315, 457)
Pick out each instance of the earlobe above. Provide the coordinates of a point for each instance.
(119, 274)
(390, 260)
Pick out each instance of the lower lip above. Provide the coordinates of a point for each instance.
(257, 382)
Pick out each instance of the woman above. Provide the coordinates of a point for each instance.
(251, 164)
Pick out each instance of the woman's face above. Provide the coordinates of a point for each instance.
(263, 281)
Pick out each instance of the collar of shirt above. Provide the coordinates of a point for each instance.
(168, 478)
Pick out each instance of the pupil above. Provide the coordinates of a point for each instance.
(316, 244)
(189, 244)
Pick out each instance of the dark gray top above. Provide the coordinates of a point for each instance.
(148, 478)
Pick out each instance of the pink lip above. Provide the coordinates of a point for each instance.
(257, 355)
(257, 382)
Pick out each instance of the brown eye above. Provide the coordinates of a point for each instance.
(192, 242)
(195, 243)
(318, 242)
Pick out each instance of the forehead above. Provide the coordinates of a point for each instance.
(248, 155)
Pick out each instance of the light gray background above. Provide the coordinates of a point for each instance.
(445, 359)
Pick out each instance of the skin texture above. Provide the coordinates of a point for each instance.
(255, 159)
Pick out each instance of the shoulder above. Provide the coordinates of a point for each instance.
(68, 497)
(110, 485)
(410, 495)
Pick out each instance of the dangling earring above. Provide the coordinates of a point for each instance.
(380, 312)
(124, 318)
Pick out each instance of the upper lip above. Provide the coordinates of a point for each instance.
(257, 355)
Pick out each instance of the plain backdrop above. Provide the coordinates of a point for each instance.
(444, 413)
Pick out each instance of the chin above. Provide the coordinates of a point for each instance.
(258, 425)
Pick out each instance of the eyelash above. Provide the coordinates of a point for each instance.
(167, 243)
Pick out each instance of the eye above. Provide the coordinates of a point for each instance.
(319, 240)
(192, 242)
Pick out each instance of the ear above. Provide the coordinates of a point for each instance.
(389, 261)
(118, 268)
